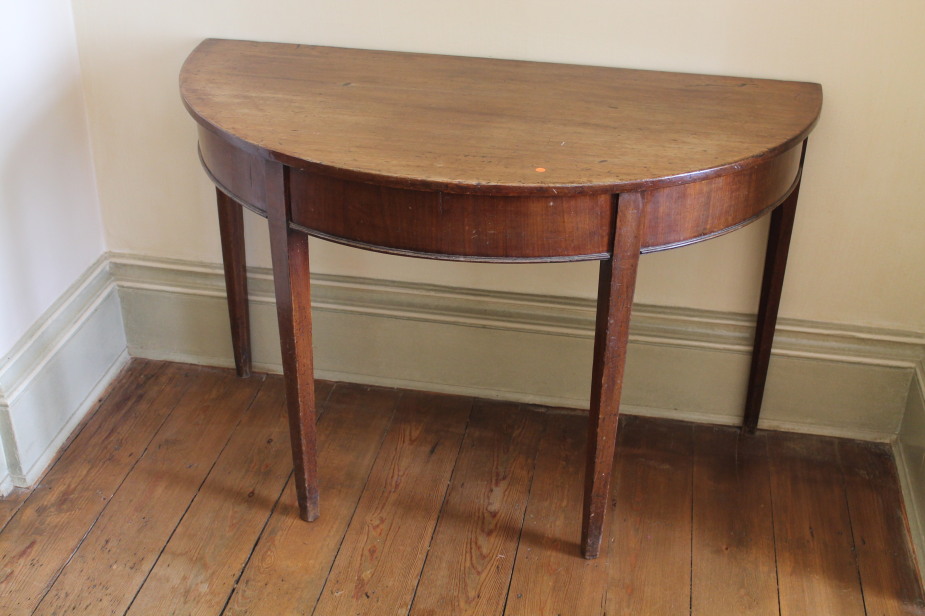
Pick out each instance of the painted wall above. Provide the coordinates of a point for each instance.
(858, 251)
(50, 226)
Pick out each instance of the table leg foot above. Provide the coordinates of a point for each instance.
(308, 507)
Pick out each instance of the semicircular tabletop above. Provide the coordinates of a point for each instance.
(475, 125)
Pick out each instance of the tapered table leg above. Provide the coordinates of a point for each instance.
(231, 229)
(775, 262)
(289, 251)
(616, 285)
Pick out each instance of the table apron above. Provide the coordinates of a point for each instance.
(474, 227)
(687, 213)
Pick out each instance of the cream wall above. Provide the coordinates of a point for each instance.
(858, 255)
(50, 227)
(61, 330)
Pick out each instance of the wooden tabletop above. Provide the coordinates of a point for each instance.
(476, 125)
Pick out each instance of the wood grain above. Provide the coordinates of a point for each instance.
(880, 530)
(816, 562)
(231, 231)
(40, 539)
(233, 170)
(197, 569)
(680, 513)
(288, 568)
(550, 576)
(471, 557)
(291, 280)
(733, 558)
(397, 513)
(616, 285)
(450, 226)
(114, 559)
(772, 284)
(475, 125)
(681, 215)
(11, 503)
(650, 566)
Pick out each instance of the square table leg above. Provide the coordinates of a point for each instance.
(616, 286)
(289, 252)
(772, 283)
(231, 230)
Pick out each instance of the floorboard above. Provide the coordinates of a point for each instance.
(650, 562)
(383, 551)
(11, 503)
(175, 497)
(42, 536)
(550, 577)
(816, 558)
(734, 562)
(885, 560)
(197, 569)
(469, 565)
(125, 541)
(289, 566)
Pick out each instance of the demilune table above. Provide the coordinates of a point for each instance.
(474, 159)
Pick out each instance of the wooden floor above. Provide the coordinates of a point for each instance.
(175, 498)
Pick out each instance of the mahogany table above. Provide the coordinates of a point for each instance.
(474, 159)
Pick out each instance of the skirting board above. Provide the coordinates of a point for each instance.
(55, 373)
(6, 482)
(909, 452)
(686, 364)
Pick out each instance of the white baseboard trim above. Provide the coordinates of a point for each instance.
(6, 482)
(683, 363)
(55, 373)
(909, 452)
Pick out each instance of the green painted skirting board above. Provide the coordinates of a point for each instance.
(909, 451)
(687, 364)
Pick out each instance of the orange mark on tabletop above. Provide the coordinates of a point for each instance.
(541, 170)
